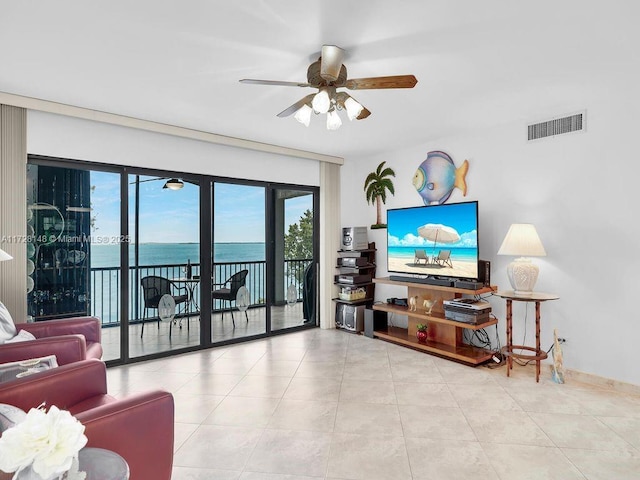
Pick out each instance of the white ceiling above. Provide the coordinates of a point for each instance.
(478, 63)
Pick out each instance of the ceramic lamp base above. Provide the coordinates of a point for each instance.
(522, 275)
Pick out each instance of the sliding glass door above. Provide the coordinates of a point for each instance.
(294, 273)
(124, 245)
(239, 269)
(164, 253)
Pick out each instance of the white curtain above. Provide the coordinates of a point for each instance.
(13, 209)
(329, 240)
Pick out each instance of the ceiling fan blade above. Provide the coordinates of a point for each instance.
(274, 82)
(296, 106)
(331, 62)
(397, 81)
(363, 114)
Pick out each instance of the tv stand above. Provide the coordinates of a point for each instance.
(444, 336)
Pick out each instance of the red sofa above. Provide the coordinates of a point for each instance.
(70, 340)
(138, 427)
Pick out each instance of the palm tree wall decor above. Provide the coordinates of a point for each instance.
(376, 186)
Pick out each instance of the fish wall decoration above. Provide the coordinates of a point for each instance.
(437, 176)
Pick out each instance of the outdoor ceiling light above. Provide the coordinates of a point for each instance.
(174, 184)
(303, 115)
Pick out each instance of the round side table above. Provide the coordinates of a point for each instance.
(102, 464)
(508, 350)
(98, 463)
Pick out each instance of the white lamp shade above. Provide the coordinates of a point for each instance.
(303, 115)
(321, 102)
(4, 256)
(333, 120)
(522, 240)
(353, 108)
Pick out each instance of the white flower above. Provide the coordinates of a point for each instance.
(47, 441)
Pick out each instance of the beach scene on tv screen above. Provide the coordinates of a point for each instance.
(437, 240)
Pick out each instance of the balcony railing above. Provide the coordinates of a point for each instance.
(105, 285)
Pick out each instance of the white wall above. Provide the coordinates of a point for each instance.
(67, 137)
(578, 190)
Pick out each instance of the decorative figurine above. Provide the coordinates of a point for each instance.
(428, 305)
(413, 301)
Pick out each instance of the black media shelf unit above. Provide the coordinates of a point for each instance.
(366, 266)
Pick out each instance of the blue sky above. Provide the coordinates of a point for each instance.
(172, 216)
(403, 224)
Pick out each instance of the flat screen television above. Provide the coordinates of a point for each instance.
(437, 241)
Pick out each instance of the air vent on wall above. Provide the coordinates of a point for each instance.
(557, 126)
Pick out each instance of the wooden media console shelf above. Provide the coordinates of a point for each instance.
(444, 336)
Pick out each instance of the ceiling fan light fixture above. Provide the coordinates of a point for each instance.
(321, 102)
(303, 115)
(333, 120)
(353, 108)
(174, 184)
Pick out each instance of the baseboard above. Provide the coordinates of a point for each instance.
(598, 381)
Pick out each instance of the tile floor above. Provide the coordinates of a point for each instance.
(326, 404)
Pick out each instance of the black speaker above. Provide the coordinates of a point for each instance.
(484, 272)
(350, 317)
(374, 320)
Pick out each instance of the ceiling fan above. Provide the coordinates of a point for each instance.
(327, 74)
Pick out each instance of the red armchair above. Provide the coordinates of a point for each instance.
(138, 427)
(70, 340)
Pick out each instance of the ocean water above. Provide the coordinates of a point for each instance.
(228, 257)
(176, 253)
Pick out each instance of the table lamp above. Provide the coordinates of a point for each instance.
(522, 240)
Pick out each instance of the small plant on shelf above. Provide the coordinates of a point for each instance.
(421, 334)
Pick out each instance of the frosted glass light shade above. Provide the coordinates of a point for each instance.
(333, 120)
(303, 115)
(353, 108)
(522, 240)
(321, 102)
(4, 256)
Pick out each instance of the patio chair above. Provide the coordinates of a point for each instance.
(444, 258)
(153, 288)
(421, 255)
(228, 294)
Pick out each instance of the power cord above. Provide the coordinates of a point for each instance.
(498, 352)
